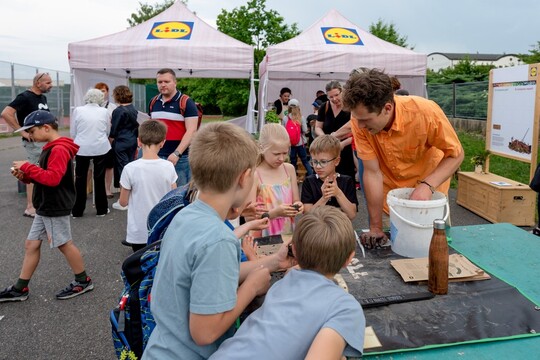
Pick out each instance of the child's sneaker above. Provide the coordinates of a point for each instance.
(117, 206)
(75, 288)
(12, 294)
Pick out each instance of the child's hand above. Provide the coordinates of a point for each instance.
(329, 187)
(286, 210)
(299, 206)
(16, 170)
(250, 248)
(258, 224)
(17, 164)
(284, 260)
(254, 210)
(259, 280)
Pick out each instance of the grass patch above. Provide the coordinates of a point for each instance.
(474, 143)
(214, 118)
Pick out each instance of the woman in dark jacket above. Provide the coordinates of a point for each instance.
(331, 117)
(124, 130)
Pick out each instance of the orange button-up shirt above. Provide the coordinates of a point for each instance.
(420, 137)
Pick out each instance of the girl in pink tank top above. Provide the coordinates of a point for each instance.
(275, 181)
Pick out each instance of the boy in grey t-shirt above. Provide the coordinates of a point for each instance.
(306, 315)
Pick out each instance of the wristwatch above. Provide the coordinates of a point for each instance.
(177, 154)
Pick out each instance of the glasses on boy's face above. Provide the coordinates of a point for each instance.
(321, 163)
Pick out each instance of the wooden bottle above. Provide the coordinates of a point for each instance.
(438, 260)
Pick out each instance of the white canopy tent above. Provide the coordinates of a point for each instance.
(176, 39)
(329, 50)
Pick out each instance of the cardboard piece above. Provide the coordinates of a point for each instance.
(459, 269)
(370, 339)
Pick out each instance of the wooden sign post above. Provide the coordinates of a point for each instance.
(512, 132)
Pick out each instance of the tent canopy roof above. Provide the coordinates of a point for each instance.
(334, 45)
(182, 42)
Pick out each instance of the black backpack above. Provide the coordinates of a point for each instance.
(131, 321)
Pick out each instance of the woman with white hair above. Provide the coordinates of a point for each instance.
(89, 130)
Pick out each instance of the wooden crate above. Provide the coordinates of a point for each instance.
(514, 203)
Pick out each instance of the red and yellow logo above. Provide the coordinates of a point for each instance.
(341, 36)
(180, 30)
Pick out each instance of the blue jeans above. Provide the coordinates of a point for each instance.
(300, 151)
(182, 170)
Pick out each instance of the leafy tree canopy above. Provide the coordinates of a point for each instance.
(147, 11)
(533, 56)
(255, 25)
(464, 71)
(388, 32)
(252, 24)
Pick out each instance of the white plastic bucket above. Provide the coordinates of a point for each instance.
(411, 221)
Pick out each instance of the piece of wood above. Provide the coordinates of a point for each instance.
(514, 203)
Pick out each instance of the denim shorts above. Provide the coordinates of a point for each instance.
(56, 230)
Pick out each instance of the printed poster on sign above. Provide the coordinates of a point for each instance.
(512, 112)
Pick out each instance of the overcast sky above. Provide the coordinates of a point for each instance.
(37, 32)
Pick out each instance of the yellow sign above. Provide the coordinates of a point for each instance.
(171, 30)
(340, 35)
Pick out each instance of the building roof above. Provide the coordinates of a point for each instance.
(474, 57)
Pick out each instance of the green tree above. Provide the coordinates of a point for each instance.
(464, 71)
(256, 25)
(533, 56)
(388, 32)
(147, 11)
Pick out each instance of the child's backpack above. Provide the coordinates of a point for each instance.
(183, 101)
(294, 130)
(132, 322)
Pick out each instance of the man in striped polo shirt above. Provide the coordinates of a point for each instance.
(180, 128)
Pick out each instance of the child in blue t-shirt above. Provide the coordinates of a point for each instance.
(196, 296)
(306, 315)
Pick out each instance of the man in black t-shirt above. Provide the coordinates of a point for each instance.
(14, 115)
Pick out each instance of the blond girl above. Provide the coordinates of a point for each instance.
(275, 184)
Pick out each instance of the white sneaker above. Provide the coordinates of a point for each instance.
(117, 206)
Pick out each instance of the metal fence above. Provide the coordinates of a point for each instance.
(16, 78)
(466, 100)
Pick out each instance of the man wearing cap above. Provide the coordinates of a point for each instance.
(14, 115)
(53, 197)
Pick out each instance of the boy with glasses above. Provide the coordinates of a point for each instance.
(326, 187)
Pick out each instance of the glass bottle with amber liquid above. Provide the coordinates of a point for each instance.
(438, 260)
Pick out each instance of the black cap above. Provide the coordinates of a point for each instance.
(37, 118)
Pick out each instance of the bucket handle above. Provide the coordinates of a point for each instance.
(420, 226)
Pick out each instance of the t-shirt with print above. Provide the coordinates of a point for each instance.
(26, 102)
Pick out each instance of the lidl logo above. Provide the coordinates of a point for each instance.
(180, 30)
(341, 36)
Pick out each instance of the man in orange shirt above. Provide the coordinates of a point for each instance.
(403, 141)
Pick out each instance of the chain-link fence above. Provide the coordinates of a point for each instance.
(466, 100)
(16, 78)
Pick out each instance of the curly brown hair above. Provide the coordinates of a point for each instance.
(372, 89)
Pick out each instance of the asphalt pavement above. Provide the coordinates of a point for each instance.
(45, 328)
